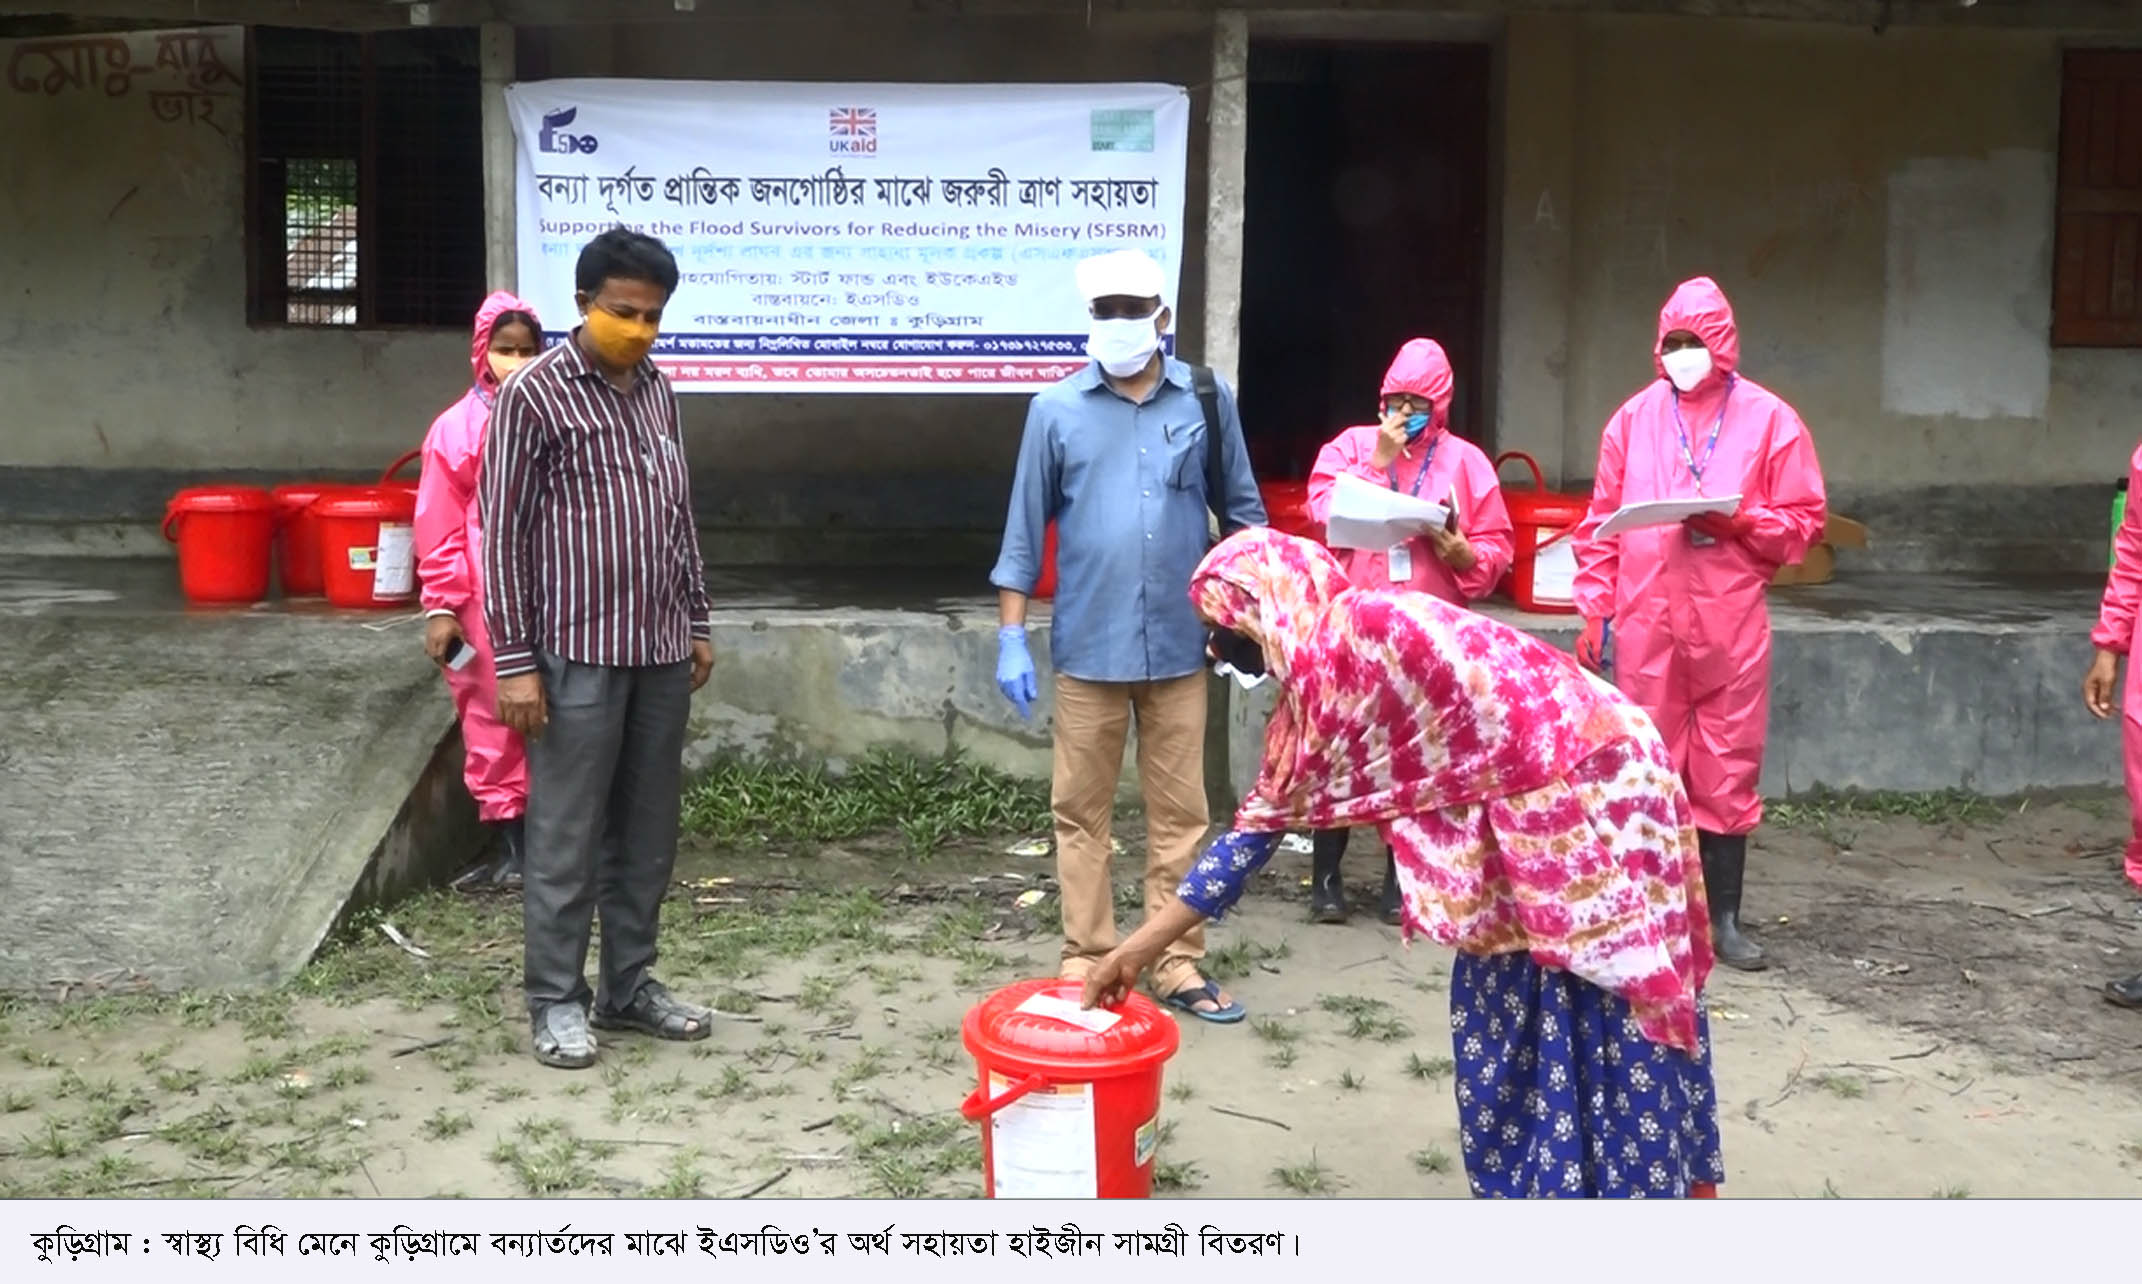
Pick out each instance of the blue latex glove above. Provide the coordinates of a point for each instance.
(1015, 669)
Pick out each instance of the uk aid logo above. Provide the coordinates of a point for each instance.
(556, 142)
(853, 130)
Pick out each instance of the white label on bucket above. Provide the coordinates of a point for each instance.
(394, 577)
(363, 559)
(1146, 1142)
(1042, 1145)
(1057, 1008)
(1554, 570)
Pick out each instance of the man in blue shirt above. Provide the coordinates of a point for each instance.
(1115, 456)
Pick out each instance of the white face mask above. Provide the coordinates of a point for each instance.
(1124, 346)
(1687, 367)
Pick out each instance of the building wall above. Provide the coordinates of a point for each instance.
(121, 243)
(1878, 207)
(912, 462)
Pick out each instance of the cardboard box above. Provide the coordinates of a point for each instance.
(1821, 560)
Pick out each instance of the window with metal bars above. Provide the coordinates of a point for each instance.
(365, 178)
(2097, 254)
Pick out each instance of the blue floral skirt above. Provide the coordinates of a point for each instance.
(1560, 1097)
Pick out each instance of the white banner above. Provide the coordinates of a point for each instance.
(853, 238)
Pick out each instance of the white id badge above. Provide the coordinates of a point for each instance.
(1400, 559)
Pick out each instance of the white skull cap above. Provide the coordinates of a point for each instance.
(1129, 274)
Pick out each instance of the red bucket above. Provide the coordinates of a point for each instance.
(297, 544)
(388, 481)
(1286, 509)
(1069, 1101)
(225, 537)
(1045, 587)
(1544, 570)
(367, 546)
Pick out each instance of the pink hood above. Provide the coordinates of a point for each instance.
(495, 306)
(1699, 307)
(1421, 369)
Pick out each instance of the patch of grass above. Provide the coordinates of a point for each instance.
(1352, 1082)
(869, 1063)
(735, 1082)
(1274, 1031)
(1352, 1005)
(1283, 1056)
(1829, 1190)
(1381, 1029)
(546, 1161)
(445, 1123)
(1181, 1090)
(465, 1083)
(1953, 1192)
(1170, 1178)
(14, 1103)
(1311, 1178)
(344, 1077)
(1429, 1068)
(907, 1158)
(1843, 1086)
(1433, 1161)
(1826, 808)
(53, 1142)
(681, 1177)
(1237, 959)
(925, 799)
(180, 1079)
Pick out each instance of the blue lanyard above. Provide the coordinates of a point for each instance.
(1426, 464)
(1688, 456)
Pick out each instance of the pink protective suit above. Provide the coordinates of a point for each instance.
(1440, 462)
(2117, 620)
(1691, 626)
(450, 571)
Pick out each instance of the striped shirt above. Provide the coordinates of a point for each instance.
(590, 551)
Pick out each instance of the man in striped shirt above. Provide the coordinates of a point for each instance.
(596, 600)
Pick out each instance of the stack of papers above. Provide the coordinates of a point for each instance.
(1666, 512)
(1366, 515)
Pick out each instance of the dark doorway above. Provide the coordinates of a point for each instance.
(1365, 225)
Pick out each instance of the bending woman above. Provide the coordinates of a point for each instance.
(450, 570)
(1539, 829)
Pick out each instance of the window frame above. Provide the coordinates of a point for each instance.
(2075, 198)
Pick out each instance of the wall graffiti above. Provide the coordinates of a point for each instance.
(183, 73)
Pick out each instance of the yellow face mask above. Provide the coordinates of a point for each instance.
(622, 344)
(503, 364)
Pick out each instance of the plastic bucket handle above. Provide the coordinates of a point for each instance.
(1539, 479)
(171, 514)
(974, 1107)
(1539, 483)
(410, 458)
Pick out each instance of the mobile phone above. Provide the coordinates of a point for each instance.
(459, 654)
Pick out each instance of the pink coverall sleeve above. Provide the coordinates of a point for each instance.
(1486, 522)
(1340, 456)
(445, 490)
(1599, 560)
(1789, 516)
(2123, 588)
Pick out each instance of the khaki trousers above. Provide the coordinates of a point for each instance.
(1092, 721)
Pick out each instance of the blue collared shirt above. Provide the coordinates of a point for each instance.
(1125, 485)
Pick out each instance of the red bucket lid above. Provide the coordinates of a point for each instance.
(301, 494)
(387, 503)
(221, 499)
(1035, 1027)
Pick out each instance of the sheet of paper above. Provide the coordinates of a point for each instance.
(1098, 1020)
(1554, 570)
(1365, 514)
(1667, 512)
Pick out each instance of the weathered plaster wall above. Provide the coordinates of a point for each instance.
(1879, 208)
(121, 245)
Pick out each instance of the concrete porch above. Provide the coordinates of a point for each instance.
(191, 797)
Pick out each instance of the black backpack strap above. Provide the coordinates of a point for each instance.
(1207, 387)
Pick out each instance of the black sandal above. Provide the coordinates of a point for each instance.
(658, 1014)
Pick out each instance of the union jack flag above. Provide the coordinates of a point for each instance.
(854, 122)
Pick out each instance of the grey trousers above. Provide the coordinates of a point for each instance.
(605, 784)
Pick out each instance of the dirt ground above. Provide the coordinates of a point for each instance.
(1932, 1028)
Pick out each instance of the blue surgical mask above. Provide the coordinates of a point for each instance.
(1415, 426)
